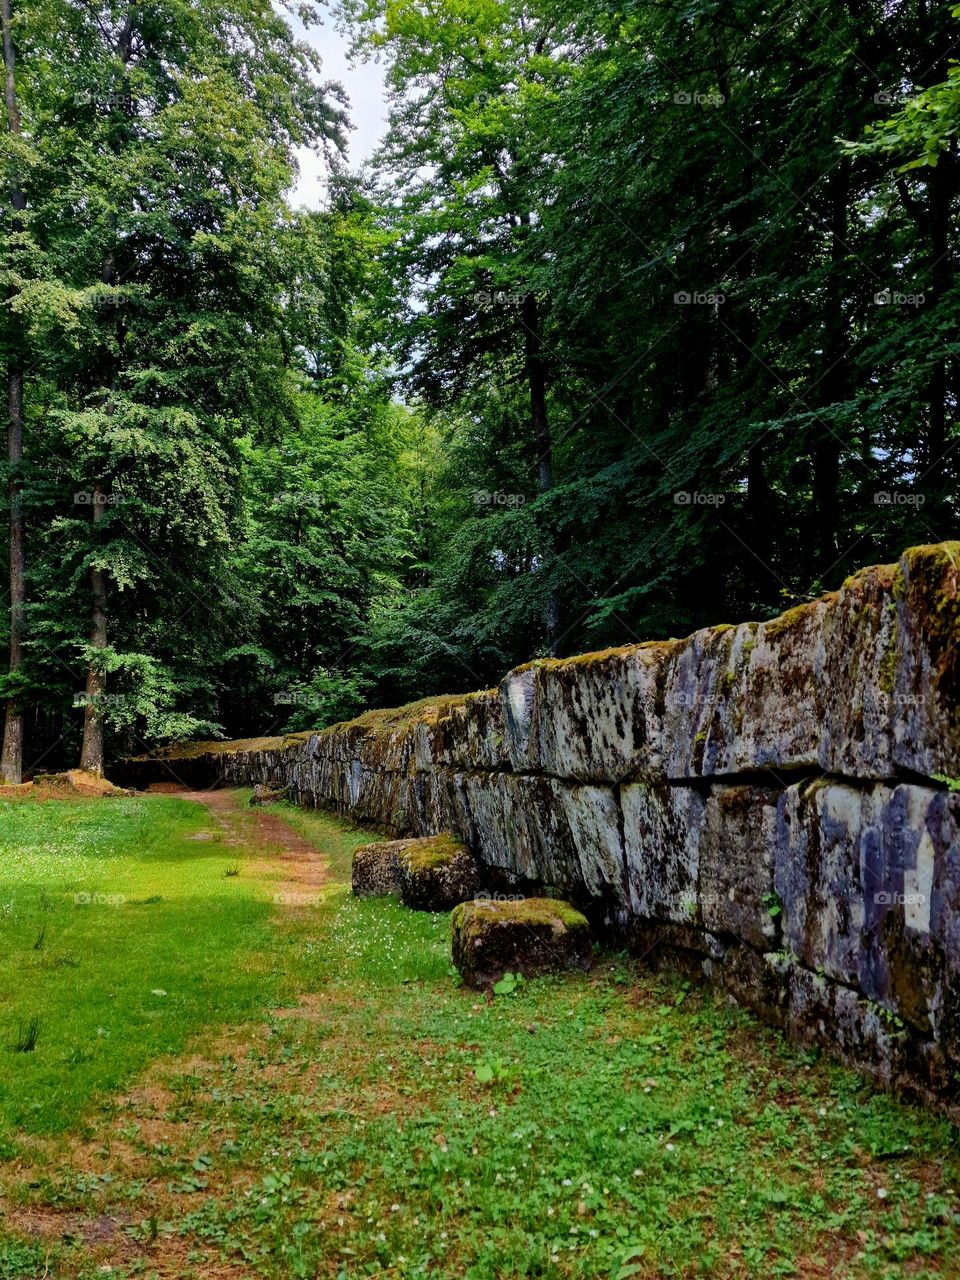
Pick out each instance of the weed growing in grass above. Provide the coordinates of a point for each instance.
(19, 1261)
(28, 1033)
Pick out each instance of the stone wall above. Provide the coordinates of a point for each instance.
(767, 802)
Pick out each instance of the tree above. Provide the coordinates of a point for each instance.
(181, 125)
(11, 759)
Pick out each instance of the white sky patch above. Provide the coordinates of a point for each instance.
(364, 84)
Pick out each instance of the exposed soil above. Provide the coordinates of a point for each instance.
(61, 786)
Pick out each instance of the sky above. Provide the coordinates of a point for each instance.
(365, 89)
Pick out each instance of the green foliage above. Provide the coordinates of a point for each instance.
(508, 984)
(462, 414)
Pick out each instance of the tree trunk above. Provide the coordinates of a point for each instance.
(91, 753)
(833, 381)
(940, 282)
(92, 747)
(11, 759)
(540, 430)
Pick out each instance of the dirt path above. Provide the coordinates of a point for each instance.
(299, 866)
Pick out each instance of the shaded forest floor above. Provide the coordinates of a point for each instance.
(241, 1071)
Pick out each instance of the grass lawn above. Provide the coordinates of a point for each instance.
(357, 1113)
(121, 935)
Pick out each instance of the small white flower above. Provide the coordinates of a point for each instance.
(881, 1193)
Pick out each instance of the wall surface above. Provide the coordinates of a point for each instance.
(769, 802)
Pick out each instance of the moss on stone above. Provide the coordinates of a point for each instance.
(434, 851)
(794, 617)
(474, 917)
(888, 662)
(932, 597)
(391, 719)
(215, 747)
(528, 935)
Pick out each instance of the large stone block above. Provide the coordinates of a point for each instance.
(436, 873)
(869, 880)
(662, 827)
(593, 819)
(374, 873)
(534, 935)
(518, 824)
(703, 701)
(471, 735)
(817, 876)
(598, 717)
(517, 695)
(925, 676)
(736, 890)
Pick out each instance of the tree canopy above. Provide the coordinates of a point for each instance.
(644, 316)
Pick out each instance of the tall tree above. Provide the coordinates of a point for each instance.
(183, 139)
(11, 759)
(460, 184)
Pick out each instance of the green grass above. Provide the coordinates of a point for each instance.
(119, 938)
(627, 1120)
(20, 1260)
(382, 1120)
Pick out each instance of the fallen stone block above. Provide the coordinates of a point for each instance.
(436, 873)
(533, 935)
(375, 873)
(263, 794)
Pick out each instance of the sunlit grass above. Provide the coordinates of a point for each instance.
(120, 935)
